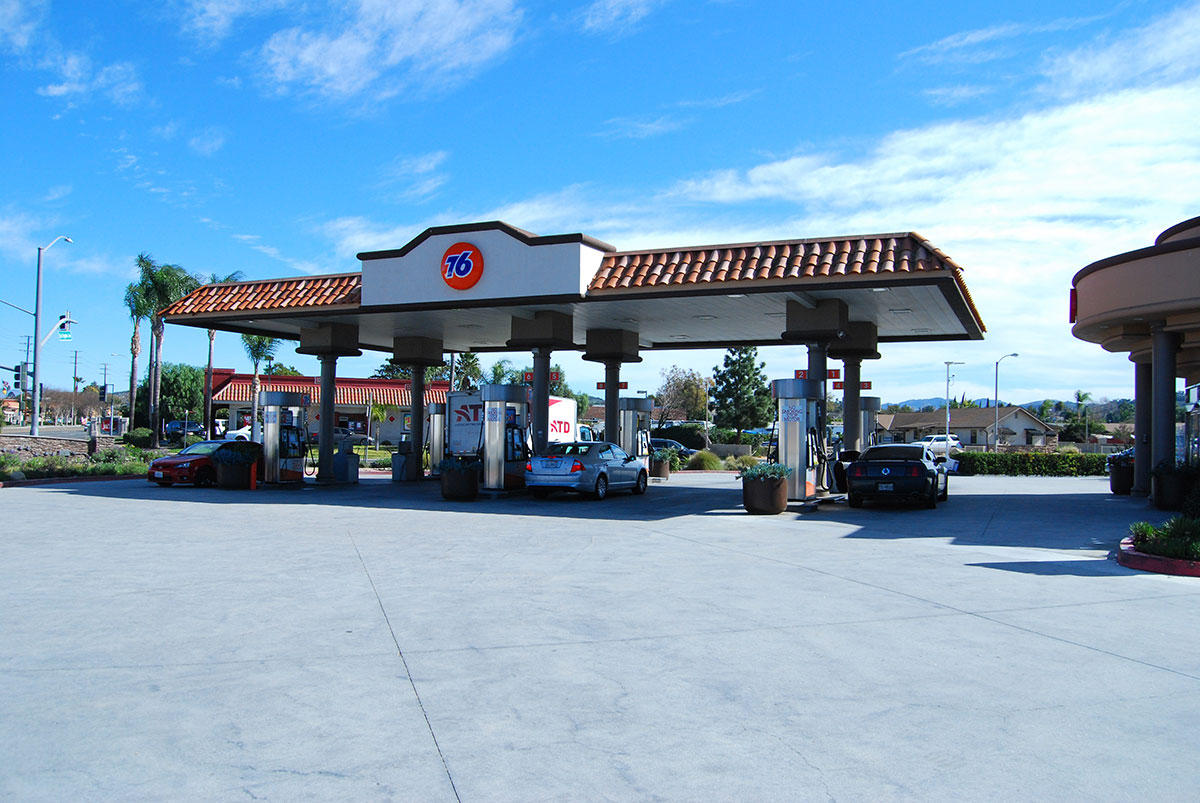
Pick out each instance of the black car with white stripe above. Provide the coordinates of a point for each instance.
(897, 471)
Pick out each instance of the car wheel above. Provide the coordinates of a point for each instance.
(241, 438)
(931, 502)
(601, 489)
(164, 485)
(854, 500)
(205, 477)
(539, 493)
(945, 489)
(639, 487)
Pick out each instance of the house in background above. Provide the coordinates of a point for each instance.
(974, 426)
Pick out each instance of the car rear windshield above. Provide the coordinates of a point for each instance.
(893, 453)
(204, 447)
(562, 449)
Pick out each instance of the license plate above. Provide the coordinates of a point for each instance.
(884, 486)
(158, 473)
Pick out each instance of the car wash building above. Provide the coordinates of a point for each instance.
(486, 287)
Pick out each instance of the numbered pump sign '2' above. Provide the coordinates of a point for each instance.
(462, 266)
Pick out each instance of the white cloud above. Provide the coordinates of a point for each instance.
(79, 79)
(955, 95)
(208, 141)
(629, 128)
(418, 176)
(57, 193)
(213, 20)
(965, 46)
(386, 45)
(1167, 49)
(19, 22)
(617, 15)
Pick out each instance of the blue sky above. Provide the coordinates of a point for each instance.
(280, 138)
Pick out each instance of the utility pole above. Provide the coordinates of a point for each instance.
(74, 385)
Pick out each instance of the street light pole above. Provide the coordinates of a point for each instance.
(948, 364)
(996, 404)
(37, 343)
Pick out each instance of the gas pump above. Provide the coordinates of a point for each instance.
(634, 418)
(799, 444)
(869, 406)
(505, 439)
(435, 437)
(285, 435)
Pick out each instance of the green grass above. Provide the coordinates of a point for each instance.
(1177, 537)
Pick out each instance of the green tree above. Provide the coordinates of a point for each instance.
(161, 286)
(501, 372)
(279, 369)
(394, 370)
(213, 278)
(139, 310)
(558, 387)
(682, 395)
(182, 393)
(740, 392)
(467, 372)
(259, 348)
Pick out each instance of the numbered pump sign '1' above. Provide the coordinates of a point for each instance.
(462, 266)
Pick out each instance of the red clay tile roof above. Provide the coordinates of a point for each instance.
(784, 259)
(343, 289)
(348, 391)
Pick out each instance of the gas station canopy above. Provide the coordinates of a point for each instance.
(472, 286)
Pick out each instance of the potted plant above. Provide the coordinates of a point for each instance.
(233, 461)
(1172, 483)
(460, 477)
(764, 488)
(1120, 472)
(660, 463)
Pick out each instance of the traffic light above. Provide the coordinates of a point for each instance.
(104, 393)
(64, 322)
(21, 377)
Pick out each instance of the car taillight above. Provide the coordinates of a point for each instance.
(576, 467)
(529, 466)
(914, 471)
(858, 471)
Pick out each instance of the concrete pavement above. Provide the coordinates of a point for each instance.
(375, 642)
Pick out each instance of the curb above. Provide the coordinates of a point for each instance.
(1130, 558)
(58, 480)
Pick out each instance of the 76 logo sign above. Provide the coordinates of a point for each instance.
(462, 266)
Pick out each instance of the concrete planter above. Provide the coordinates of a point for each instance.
(459, 484)
(723, 450)
(660, 469)
(1120, 478)
(765, 497)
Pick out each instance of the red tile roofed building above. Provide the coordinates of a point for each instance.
(233, 390)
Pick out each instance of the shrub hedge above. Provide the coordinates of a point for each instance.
(704, 460)
(690, 435)
(139, 437)
(1177, 537)
(36, 468)
(1032, 464)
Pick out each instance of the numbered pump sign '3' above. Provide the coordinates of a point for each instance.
(462, 266)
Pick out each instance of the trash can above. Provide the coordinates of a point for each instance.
(345, 467)
(399, 463)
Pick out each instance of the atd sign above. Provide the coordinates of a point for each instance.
(462, 266)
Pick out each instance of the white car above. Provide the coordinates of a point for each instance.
(937, 444)
(242, 434)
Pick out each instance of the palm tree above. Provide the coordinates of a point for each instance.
(1081, 397)
(500, 371)
(162, 285)
(212, 334)
(467, 373)
(259, 348)
(139, 309)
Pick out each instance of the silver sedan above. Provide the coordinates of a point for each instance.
(592, 468)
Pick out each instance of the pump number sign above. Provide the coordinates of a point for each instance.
(462, 266)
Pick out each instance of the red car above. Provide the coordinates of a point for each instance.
(193, 465)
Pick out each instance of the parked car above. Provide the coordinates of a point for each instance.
(666, 443)
(340, 434)
(595, 468)
(242, 434)
(174, 430)
(898, 471)
(192, 465)
(937, 443)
